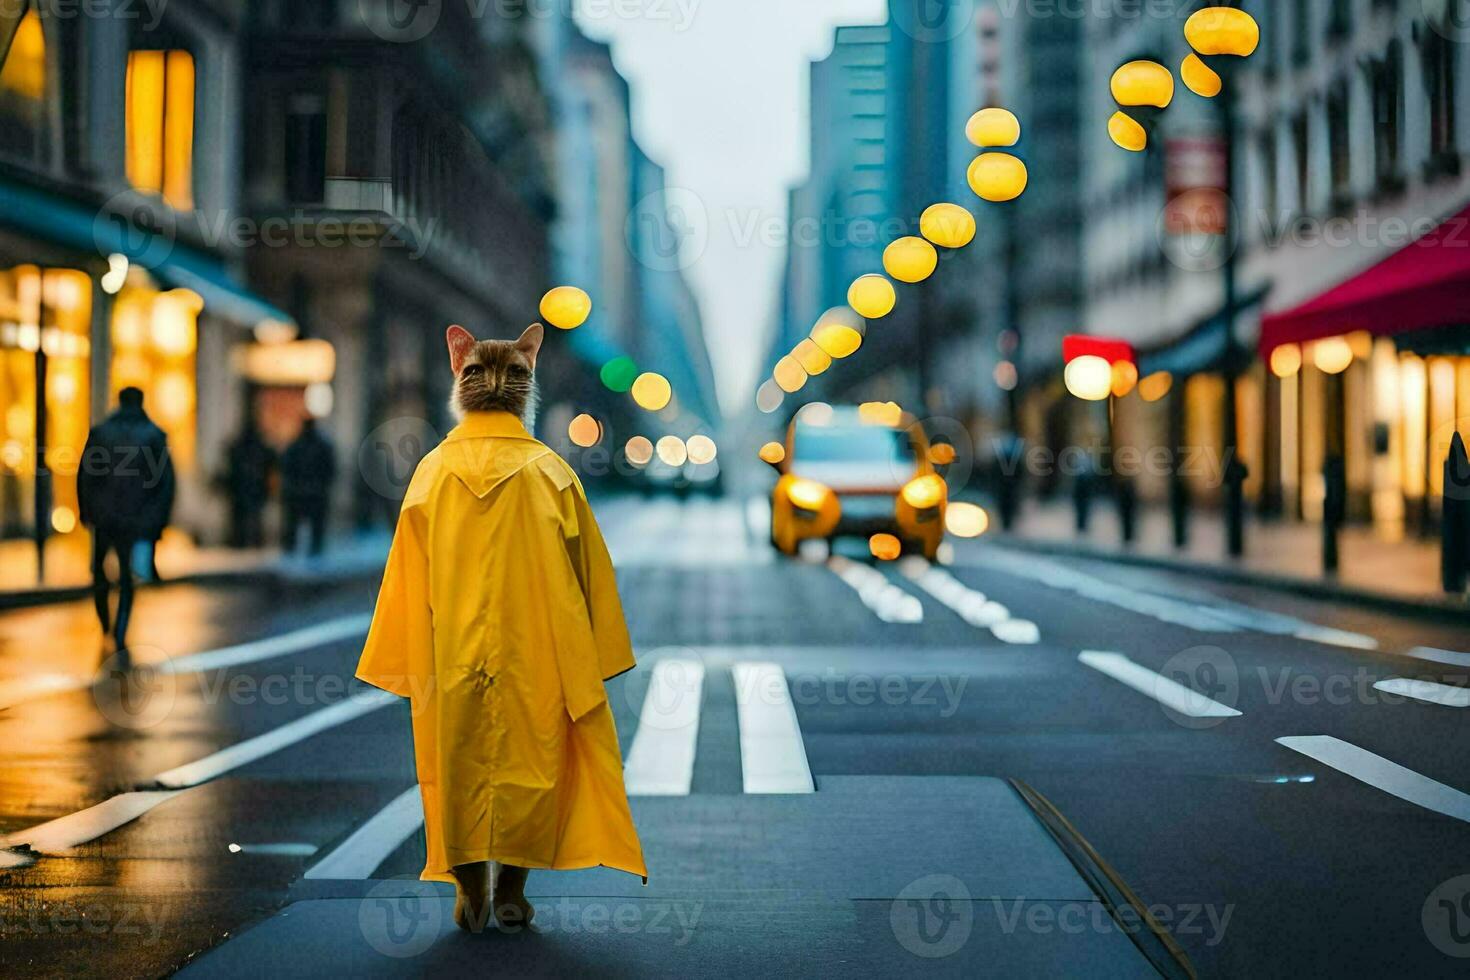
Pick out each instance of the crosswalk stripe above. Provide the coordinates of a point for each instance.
(772, 755)
(971, 606)
(1435, 655)
(661, 759)
(357, 857)
(345, 627)
(1380, 773)
(887, 601)
(64, 833)
(273, 741)
(1429, 692)
(1172, 695)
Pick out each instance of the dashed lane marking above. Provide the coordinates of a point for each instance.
(1380, 773)
(332, 631)
(772, 754)
(971, 606)
(1429, 692)
(661, 759)
(357, 857)
(887, 601)
(1171, 694)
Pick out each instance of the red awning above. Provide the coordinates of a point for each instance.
(1421, 286)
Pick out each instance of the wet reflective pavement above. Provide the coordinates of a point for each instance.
(1252, 856)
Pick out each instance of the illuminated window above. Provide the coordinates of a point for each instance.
(22, 85)
(24, 72)
(160, 121)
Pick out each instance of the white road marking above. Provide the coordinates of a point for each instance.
(275, 850)
(1435, 655)
(62, 834)
(972, 606)
(1427, 691)
(273, 741)
(23, 689)
(357, 857)
(887, 601)
(343, 628)
(772, 754)
(661, 760)
(105, 817)
(1380, 773)
(1171, 694)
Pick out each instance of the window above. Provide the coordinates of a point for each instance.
(22, 85)
(1340, 19)
(1301, 32)
(1270, 196)
(306, 148)
(160, 125)
(1386, 77)
(1439, 79)
(1339, 143)
(1302, 148)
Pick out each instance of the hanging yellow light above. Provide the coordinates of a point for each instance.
(839, 332)
(910, 259)
(947, 225)
(993, 127)
(1222, 30)
(566, 307)
(872, 296)
(998, 177)
(1199, 77)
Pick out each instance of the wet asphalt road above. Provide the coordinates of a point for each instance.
(1257, 858)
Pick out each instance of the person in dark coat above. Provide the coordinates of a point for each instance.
(247, 480)
(125, 486)
(308, 467)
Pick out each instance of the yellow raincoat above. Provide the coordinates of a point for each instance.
(499, 617)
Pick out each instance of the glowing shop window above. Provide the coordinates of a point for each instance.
(160, 125)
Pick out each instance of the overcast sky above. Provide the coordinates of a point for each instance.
(720, 99)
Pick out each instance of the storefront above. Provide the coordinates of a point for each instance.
(1376, 372)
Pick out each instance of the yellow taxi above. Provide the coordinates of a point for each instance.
(856, 471)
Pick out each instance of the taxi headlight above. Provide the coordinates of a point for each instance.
(924, 493)
(807, 495)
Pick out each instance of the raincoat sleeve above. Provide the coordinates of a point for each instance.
(398, 654)
(600, 587)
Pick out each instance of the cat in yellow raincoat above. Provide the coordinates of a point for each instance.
(499, 617)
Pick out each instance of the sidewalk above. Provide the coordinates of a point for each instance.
(1284, 554)
(69, 568)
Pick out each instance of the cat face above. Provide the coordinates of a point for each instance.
(494, 375)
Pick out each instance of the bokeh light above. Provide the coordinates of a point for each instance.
(1127, 132)
(1286, 360)
(1006, 376)
(1125, 378)
(872, 296)
(768, 397)
(1143, 83)
(885, 547)
(701, 449)
(1156, 386)
(947, 225)
(1222, 30)
(998, 177)
(1199, 77)
(566, 307)
(639, 451)
(1089, 377)
(619, 374)
(924, 492)
(966, 520)
(813, 359)
(910, 259)
(584, 431)
(789, 375)
(1332, 355)
(993, 127)
(840, 331)
(63, 520)
(672, 451)
(816, 413)
(652, 392)
(773, 453)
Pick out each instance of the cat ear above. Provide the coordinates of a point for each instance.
(530, 342)
(460, 345)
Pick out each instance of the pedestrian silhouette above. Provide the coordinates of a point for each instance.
(247, 481)
(125, 486)
(308, 468)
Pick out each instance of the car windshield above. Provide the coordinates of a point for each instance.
(851, 444)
